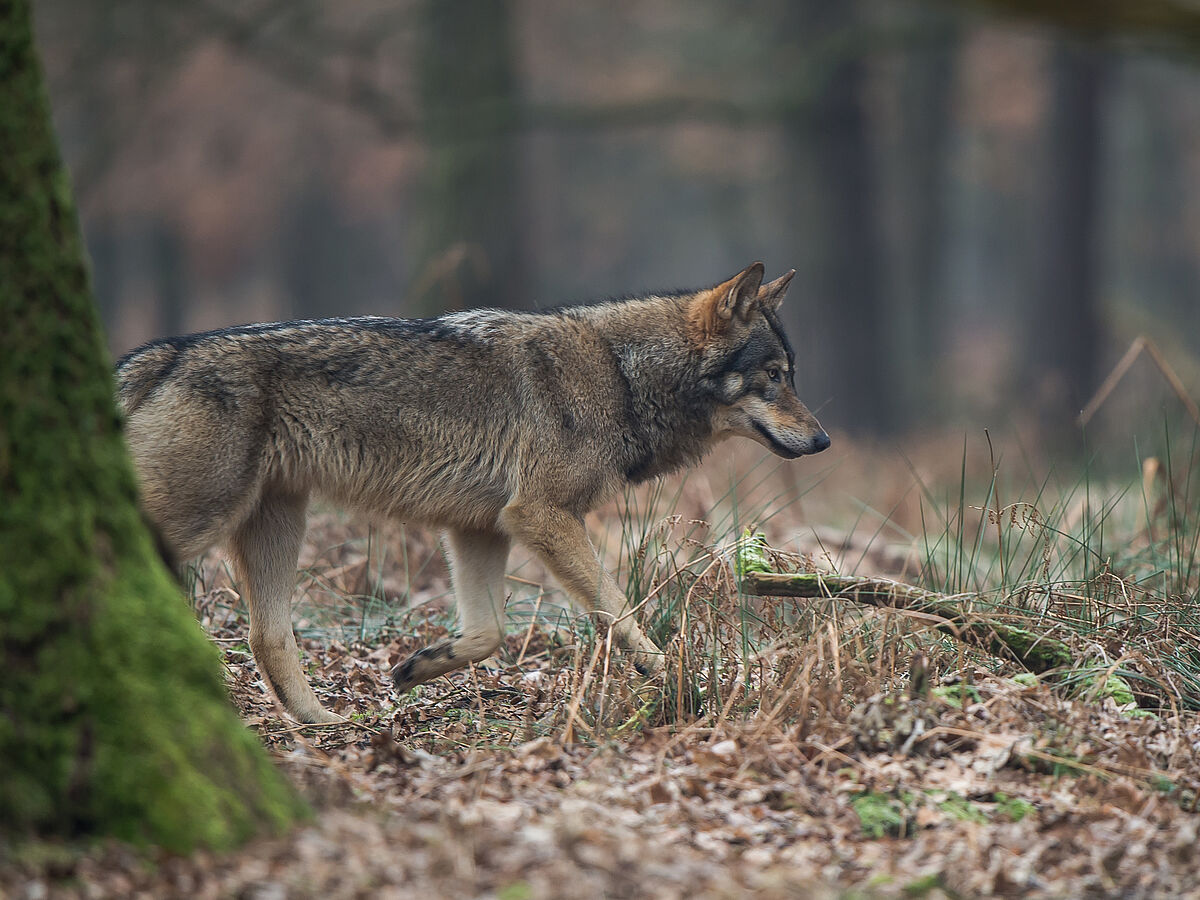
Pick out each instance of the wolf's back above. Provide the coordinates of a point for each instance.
(142, 370)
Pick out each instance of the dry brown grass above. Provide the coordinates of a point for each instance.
(788, 754)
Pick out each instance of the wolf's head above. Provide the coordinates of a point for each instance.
(749, 366)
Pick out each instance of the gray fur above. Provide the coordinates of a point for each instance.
(494, 426)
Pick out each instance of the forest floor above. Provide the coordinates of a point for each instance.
(529, 777)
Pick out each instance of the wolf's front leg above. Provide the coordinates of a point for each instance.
(265, 549)
(477, 560)
(561, 540)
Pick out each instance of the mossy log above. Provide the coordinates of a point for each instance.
(114, 719)
(1035, 652)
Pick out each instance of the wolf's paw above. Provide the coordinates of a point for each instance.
(422, 665)
(403, 676)
(324, 717)
(648, 664)
(315, 715)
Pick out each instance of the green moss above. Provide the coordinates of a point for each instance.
(1061, 763)
(957, 695)
(879, 815)
(1162, 783)
(1012, 808)
(113, 714)
(515, 890)
(962, 809)
(1114, 686)
(1034, 651)
(924, 886)
(1104, 683)
(751, 554)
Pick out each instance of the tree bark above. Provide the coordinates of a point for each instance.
(113, 715)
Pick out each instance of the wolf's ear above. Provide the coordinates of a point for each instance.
(770, 295)
(737, 295)
(714, 309)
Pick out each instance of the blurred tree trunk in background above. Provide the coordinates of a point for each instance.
(1064, 330)
(313, 259)
(113, 714)
(833, 183)
(103, 249)
(925, 93)
(168, 269)
(1151, 235)
(471, 219)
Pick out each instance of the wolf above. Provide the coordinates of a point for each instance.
(494, 426)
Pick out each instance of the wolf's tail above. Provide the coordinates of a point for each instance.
(142, 371)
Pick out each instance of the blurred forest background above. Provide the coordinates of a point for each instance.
(984, 211)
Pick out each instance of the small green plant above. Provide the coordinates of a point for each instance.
(1012, 808)
(962, 809)
(750, 554)
(1089, 561)
(515, 890)
(925, 886)
(1056, 762)
(678, 580)
(1163, 784)
(880, 815)
(957, 695)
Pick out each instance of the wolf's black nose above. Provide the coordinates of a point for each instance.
(820, 442)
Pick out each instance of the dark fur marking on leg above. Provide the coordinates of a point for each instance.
(280, 694)
(440, 650)
(402, 674)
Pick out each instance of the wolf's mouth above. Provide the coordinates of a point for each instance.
(776, 447)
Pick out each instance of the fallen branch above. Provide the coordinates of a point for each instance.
(1139, 346)
(1035, 652)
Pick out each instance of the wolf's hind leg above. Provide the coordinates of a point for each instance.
(477, 560)
(561, 540)
(265, 549)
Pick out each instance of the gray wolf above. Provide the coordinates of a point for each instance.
(492, 425)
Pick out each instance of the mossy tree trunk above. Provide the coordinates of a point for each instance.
(113, 716)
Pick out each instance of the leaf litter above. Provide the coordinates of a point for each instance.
(519, 780)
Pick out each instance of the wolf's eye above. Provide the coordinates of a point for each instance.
(773, 373)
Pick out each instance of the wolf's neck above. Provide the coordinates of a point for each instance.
(669, 413)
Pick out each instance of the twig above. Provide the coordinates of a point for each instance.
(1140, 344)
(1034, 651)
(568, 733)
(537, 608)
(295, 729)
